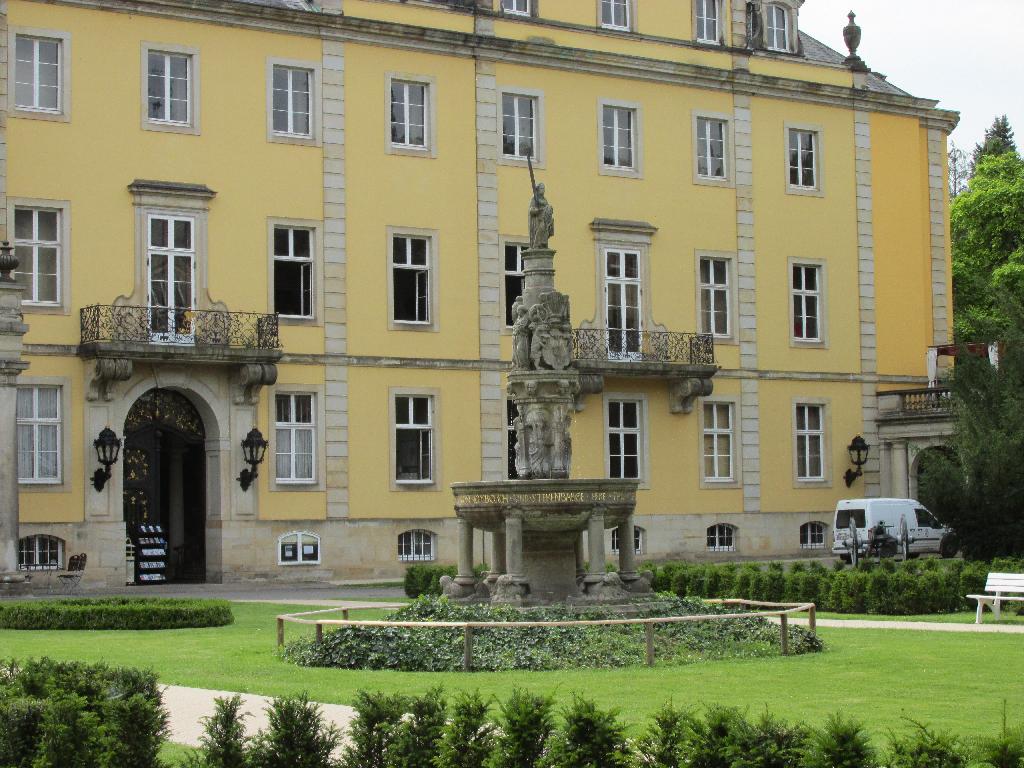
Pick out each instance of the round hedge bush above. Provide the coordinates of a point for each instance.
(545, 648)
(115, 613)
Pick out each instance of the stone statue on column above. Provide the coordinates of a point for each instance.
(12, 330)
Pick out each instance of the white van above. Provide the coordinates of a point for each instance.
(913, 527)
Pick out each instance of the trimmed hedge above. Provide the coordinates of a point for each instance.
(115, 613)
(428, 649)
(426, 579)
(891, 589)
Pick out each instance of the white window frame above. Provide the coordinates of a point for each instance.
(36, 423)
(300, 537)
(629, 11)
(639, 540)
(539, 145)
(173, 335)
(418, 539)
(719, 530)
(432, 236)
(314, 138)
(309, 262)
(718, 432)
(35, 540)
(636, 133)
(429, 146)
(192, 124)
(63, 111)
(772, 31)
(624, 284)
(801, 462)
(700, 22)
(30, 299)
(818, 190)
(702, 146)
(717, 292)
(517, 7)
(641, 431)
(294, 427)
(520, 244)
(315, 228)
(822, 339)
(433, 482)
(809, 528)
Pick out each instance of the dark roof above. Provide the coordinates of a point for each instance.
(817, 51)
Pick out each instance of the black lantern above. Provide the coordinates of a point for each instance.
(253, 448)
(859, 450)
(107, 447)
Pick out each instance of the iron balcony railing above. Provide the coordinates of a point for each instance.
(157, 325)
(643, 346)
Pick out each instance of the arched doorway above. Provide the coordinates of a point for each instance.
(920, 465)
(165, 477)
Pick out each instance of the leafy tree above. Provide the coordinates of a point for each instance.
(998, 140)
(959, 171)
(977, 488)
(988, 246)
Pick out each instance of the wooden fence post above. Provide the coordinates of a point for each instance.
(649, 637)
(467, 648)
(280, 632)
(812, 619)
(319, 632)
(785, 633)
(344, 614)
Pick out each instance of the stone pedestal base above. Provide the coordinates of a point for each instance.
(510, 590)
(459, 588)
(603, 589)
(637, 583)
(14, 585)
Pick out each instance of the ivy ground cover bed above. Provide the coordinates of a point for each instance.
(418, 649)
(124, 613)
(947, 680)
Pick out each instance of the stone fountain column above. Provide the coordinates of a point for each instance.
(595, 539)
(12, 329)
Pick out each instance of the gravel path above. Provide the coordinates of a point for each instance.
(924, 626)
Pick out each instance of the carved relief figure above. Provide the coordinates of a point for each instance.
(542, 219)
(520, 336)
(522, 447)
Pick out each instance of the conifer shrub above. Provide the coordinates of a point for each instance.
(525, 724)
(589, 738)
(373, 730)
(418, 734)
(296, 736)
(468, 738)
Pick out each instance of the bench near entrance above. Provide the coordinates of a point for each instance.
(1002, 587)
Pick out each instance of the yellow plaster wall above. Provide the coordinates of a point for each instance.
(64, 503)
(801, 227)
(902, 250)
(774, 66)
(437, 193)
(457, 431)
(417, 15)
(92, 159)
(779, 491)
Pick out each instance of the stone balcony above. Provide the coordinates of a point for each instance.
(115, 337)
(686, 361)
(915, 404)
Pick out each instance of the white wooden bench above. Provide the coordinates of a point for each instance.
(1003, 587)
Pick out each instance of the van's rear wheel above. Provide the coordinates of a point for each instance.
(949, 546)
(845, 559)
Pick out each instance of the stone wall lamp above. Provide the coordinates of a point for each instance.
(107, 447)
(253, 449)
(859, 450)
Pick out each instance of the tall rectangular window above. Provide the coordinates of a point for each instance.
(37, 74)
(518, 125)
(295, 439)
(511, 414)
(810, 442)
(711, 148)
(39, 434)
(615, 14)
(776, 35)
(172, 255)
(806, 303)
(292, 101)
(169, 92)
(803, 159)
(410, 274)
(714, 297)
(707, 21)
(293, 272)
(718, 443)
(624, 439)
(623, 310)
(513, 278)
(617, 130)
(413, 439)
(409, 114)
(516, 7)
(37, 234)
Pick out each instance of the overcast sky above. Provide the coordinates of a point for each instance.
(965, 53)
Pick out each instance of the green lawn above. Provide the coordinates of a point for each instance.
(956, 682)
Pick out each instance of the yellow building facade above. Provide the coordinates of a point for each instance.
(307, 218)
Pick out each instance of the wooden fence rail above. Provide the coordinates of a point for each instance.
(780, 611)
